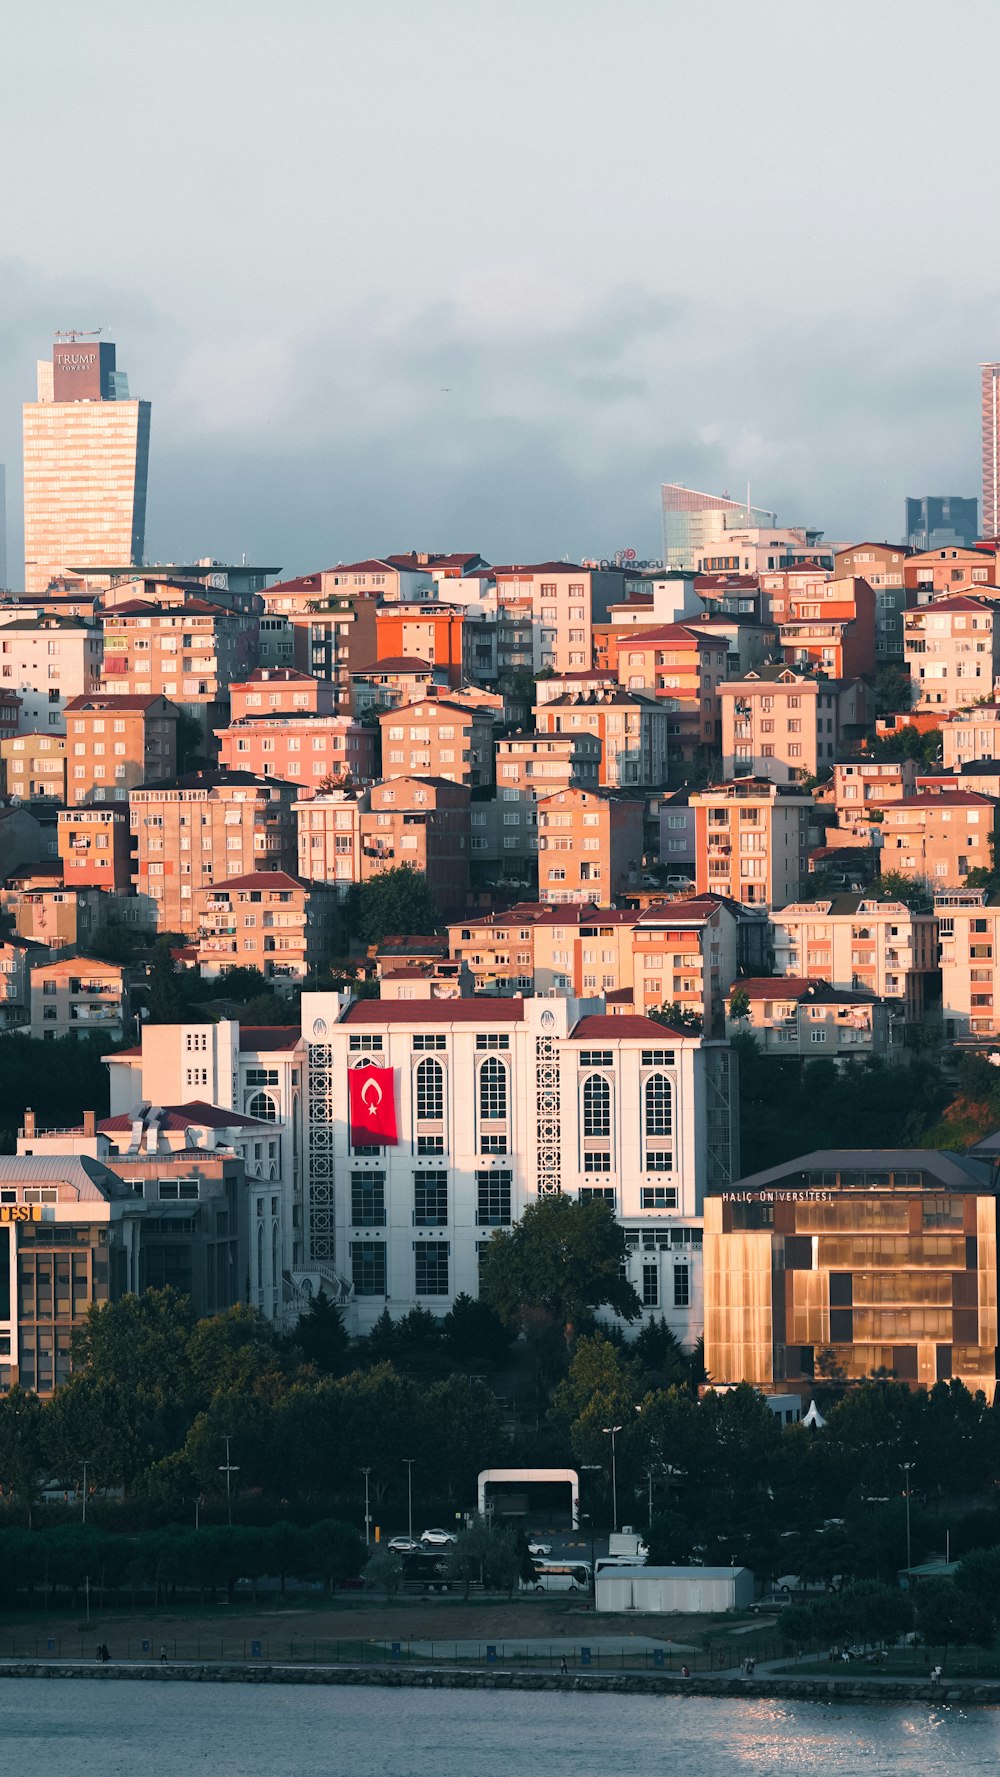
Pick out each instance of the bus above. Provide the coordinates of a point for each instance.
(559, 1576)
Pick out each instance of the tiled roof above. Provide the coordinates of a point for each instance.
(398, 663)
(196, 1115)
(269, 1036)
(258, 879)
(607, 1025)
(111, 702)
(485, 1010)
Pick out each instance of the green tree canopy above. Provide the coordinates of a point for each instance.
(395, 901)
(563, 1258)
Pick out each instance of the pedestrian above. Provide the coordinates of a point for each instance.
(163, 1655)
(935, 1675)
(685, 1672)
(751, 1663)
(562, 1665)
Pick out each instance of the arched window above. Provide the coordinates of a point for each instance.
(659, 1105)
(260, 1256)
(430, 1091)
(596, 1106)
(263, 1106)
(493, 1088)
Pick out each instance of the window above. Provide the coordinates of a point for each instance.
(430, 1199)
(596, 1106)
(658, 1197)
(650, 1286)
(492, 1089)
(368, 1199)
(682, 1286)
(430, 1091)
(493, 1198)
(368, 1268)
(431, 1267)
(431, 1041)
(492, 1040)
(361, 1042)
(596, 1058)
(430, 1144)
(658, 1099)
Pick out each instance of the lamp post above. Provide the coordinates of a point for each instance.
(409, 1460)
(368, 1533)
(591, 1468)
(906, 1467)
(611, 1431)
(229, 1469)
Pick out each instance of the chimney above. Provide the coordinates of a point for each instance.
(90, 1122)
(29, 1122)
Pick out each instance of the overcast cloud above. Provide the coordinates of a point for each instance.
(483, 273)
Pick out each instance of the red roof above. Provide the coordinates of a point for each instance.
(667, 632)
(947, 799)
(269, 1036)
(111, 701)
(197, 1114)
(399, 663)
(478, 1010)
(259, 879)
(604, 1024)
(961, 601)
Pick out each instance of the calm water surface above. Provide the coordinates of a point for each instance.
(79, 1728)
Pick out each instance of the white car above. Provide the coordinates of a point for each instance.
(437, 1539)
(678, 883)
(404, 1545)
(539, 1551)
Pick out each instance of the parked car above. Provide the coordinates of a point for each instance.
(539, 1550)
(437, 1539)
(678, 883)
(404, 1545)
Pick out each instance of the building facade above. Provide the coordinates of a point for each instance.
(752, 840)
(116, 743)
(206, 827)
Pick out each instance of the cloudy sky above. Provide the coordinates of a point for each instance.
(482, 273)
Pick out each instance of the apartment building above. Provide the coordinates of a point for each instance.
(190, 653)
(436, 737)
(422, 823)
(831, 627)
(493, 1104)
(336, 638)
(590, 845)
(573, 948)
(752, 840)
(863, 789)
(682, 667)
(528, 766)
(270, 921)
(968, 924)
(387, 684)
(686, 954)
(438, 632)
(95, 847)
(305, 750)
(952, 650)
(632, 729)
(785, 725)
(858, 941)
(207, 827)
(49, 913)
(10, 714)
(116, 743)
(865, 1260)
(931, 573)
(807, 578)
(940, 835)
(562, 602)
(79, 996)
(966, 735)
(279, 691)
(789, 1016)
(34, 766)
(46, 661)
(18, 956)
(881, 564)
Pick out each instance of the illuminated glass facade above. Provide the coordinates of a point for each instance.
(846, 1263)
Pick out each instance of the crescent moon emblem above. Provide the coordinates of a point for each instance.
(371, 1097)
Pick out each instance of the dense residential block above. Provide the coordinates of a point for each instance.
(785, 725)
(204, 828)
(116, 743)
(590, 845)
(269, 921)
(752, 841)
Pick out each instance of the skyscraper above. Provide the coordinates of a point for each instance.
(991, 449)
(693, 523)
(86, 457)
(937, 520)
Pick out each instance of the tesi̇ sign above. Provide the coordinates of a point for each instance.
(20, 1212)
(372, 1106)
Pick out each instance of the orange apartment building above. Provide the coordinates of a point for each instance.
(685, 953)
(933, 572)
(562, 603)
(203, 828)
(34, 766)
(752, 841)
(858, 941)
(631, 727)
(952, 650)
(280, 691)
(682, 667)
(434, 632)
(539, 949)
(830, 626)
(79, 996)
(96, 848)
(590, 845)
(436, 737)
(968, 923)
(116, 743)
(786, 725)
(47, 912)
(189, 653)
(269, 921)
(304, 750)
(422, 823)
(940, 836)
(864, 788)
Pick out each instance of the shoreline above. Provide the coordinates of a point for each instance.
(962, 1691)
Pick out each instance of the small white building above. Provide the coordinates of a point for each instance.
(701, 1590)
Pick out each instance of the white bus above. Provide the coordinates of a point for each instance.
(560, 1576)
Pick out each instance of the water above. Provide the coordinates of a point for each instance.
(78, 1727)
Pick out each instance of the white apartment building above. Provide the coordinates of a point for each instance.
(48, 661)
(856, 941)
(496, 1103)
(969, 932)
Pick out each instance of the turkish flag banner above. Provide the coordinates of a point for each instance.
(373, 1107)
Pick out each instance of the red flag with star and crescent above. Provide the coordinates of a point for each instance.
(373, 1107)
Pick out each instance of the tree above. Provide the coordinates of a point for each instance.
(396, 900)
(484, 1552)
(321, 1336)
(384, 1571)
(337, 1551)
(914, 891)
(21, 1450)
(474, 1332)
(119, 944)
(677, 1017)
(164, 1002)
(893, 690)
(562, 1258)
(660, 1353)
(948, 1616)
(92, 1419)
(190, 743)
(739, 1004)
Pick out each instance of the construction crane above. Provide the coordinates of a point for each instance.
(70, 335)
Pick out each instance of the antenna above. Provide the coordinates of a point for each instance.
(70, 335)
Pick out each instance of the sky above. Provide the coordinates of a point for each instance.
(481, 274)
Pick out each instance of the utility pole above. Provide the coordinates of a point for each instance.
(409, 1461)
(229, 1469)
(611, 1431)
(83, 1515)
(368, 1536)
(906, 1467)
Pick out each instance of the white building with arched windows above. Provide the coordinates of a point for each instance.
(496, 1102)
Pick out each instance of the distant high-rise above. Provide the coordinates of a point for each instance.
(937, 520)
(695, 524)
(991, 449)
(86, 458)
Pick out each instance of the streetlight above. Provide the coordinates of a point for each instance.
(368, 1537)
(229, 1469)
(592, 1468)
(610, 1431)
(409, 1461)
(906, 1467)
